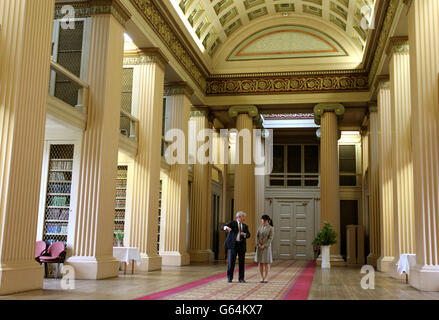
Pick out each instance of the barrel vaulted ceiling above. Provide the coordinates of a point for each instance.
(244, 30)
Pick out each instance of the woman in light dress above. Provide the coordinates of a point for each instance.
(264, 238)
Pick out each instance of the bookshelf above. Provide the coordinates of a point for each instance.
(58, 193)
(121, 193)
(159, 217)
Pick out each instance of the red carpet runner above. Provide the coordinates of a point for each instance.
(288, 280)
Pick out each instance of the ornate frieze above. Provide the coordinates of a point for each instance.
(157, 22)
(293, 84)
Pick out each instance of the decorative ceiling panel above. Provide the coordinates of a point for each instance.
(214, 21)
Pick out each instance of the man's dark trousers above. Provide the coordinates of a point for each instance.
(238, 250)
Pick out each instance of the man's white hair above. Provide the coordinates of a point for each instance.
(240, 213)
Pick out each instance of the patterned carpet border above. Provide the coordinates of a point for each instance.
(292, 281)
(191, 285)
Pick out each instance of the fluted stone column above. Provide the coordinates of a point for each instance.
(385, 174)
(175, 188)
(142, 226)
(327, 117)
(374, 192)
(402, 161)
(25, 42)
(93, 241)
(424, 60)
(244, 190)
(200, 224)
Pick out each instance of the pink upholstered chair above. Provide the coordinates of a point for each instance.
(40, 249)
(55, 254)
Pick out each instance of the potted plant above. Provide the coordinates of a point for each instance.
(325, 238)
(119, 236)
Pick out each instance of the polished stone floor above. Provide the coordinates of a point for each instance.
(334, 284)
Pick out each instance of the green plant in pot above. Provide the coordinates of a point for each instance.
(325, 238)
(119, 236)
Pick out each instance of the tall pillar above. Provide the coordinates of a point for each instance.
(25, 43)
(402, 163)
(385, 174)
(244, 190)
(93, 242)
(201, 193)
(327, 116)
(424, 60)
(143, 223)
(173, 248)
(374, 192)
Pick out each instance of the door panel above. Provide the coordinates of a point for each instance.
(294, 229)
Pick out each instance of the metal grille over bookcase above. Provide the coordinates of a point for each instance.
(159, 217)
(121, 193)
(59, 184)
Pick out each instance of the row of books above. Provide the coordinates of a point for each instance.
(120, 203)
(57, 214)
(61, 165)
(121, 193)
(119, 215)
(121, 175)
(58, 201)
(119, 226)
(56, 228)
(59, 187)
(60, 176)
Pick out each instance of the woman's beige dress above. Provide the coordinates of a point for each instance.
(265, 237)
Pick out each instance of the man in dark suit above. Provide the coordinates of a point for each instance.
(236, 245)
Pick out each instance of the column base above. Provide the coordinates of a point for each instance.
(393, 270)
(175, 259)
(384, 263)
(424, 278)
(372, 260)
(149, 263)
(20, 277)
(336, 260)
(250, 257)
(92, 268)
(201, 255)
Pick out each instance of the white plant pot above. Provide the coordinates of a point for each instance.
(326, 257)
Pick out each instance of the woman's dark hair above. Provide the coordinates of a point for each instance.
(267, 218)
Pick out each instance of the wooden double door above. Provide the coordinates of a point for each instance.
(294, 229)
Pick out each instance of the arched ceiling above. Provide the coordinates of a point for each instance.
(213, 22)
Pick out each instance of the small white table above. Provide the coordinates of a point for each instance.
(127, 255)
(406, 261)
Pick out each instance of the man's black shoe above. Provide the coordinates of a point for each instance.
(229, 281)
(242, 281)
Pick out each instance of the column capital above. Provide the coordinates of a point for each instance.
(177, 88)
(382, 82)
(252, 111)
(145, 56)
(398, 45)
(88, 8)
(319, 109)
(373, 106)
(202, 112)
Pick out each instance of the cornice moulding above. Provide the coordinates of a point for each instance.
(88, 8)
(178, 88)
